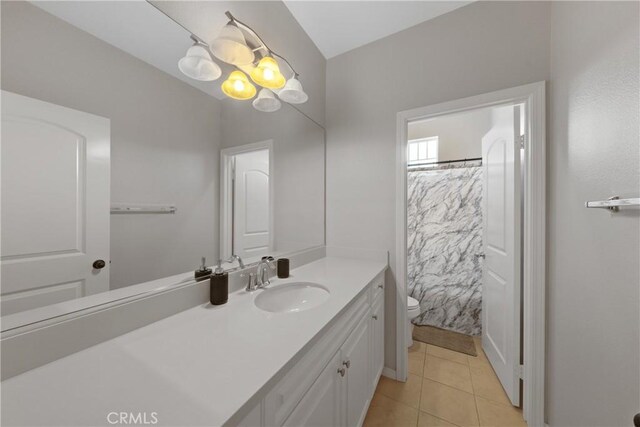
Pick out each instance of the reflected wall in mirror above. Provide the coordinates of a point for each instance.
(115, 165)
(277, 187)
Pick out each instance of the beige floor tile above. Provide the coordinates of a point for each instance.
(407, 393)
(445, 353)
(428, 420)
(493, 414)
(486, 384)
(447, 372)
(418, 347)
(478, 362)
(385, 412)
(416, 363)
(448, 403)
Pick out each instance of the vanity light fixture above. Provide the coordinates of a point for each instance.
(293, 92)
(198, 64)
(266, 101)
(238, 86)
(267, 74)
(231, 47)
(239, 45)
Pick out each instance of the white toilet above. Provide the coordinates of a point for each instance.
(413, 311)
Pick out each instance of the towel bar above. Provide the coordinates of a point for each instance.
(613, 203)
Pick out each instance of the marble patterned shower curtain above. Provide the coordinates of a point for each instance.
(444, 234)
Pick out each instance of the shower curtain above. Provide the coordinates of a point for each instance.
(444, 235)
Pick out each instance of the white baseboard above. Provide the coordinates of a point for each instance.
(389, 373)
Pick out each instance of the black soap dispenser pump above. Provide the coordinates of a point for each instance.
(219, 286)
(203, 272)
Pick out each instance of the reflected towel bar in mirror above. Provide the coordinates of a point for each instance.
(613, 203)
(146, 209)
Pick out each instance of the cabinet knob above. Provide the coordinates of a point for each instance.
(347, 363)
(342, 371)
(375, 317)
(381, 286)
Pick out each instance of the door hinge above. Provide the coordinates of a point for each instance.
(522, 139)
(520, 371)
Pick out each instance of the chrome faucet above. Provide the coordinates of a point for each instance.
(236, 258)
(251, 285)
(262, 272)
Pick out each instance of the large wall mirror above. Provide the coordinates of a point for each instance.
(118, 172)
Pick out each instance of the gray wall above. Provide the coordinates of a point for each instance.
(164, 137)
(459, 135)
(593, 358)
(479, 48)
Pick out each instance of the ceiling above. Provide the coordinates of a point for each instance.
(339, 26)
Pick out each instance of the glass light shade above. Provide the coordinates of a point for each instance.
(266, 101)
(231, 47)
(267, 74)
(293, 93)
(198, 65)
(238, 86)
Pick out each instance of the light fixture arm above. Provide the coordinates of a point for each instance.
(262, 42)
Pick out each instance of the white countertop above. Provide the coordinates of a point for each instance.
(198, 367)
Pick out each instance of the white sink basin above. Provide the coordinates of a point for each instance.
(292, 297)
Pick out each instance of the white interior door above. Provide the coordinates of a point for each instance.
(251, 219)
(501, 239)
(55, 203)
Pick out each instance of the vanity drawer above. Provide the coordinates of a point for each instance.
(285, 395)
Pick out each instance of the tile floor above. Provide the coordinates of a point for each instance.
(445, 388)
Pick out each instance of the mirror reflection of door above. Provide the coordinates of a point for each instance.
(251, 222)
(55, 203)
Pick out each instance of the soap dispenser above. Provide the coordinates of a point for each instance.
(203, 272)
(219, 286)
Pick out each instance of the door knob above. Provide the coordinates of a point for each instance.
(99, 264)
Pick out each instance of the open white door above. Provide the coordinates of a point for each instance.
(55, 203)
(501, 239)
(251, 219)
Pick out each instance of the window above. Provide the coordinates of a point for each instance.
(422, 151)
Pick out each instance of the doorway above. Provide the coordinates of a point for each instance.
(512, 235)
(246, 201)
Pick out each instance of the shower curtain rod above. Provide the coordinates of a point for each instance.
(447, 161)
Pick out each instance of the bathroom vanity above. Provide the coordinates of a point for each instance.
(333, 382)
(235, 364)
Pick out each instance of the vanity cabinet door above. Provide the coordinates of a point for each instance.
(321, 405)
(377, 339)
(356, 358)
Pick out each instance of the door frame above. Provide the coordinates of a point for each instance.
(534, 237)
(226, 193)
